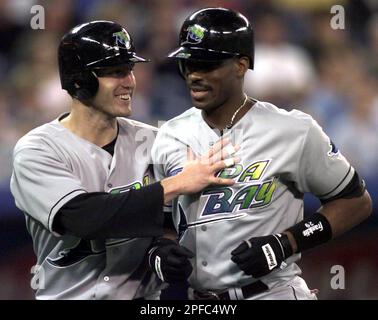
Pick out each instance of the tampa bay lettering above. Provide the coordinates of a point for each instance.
(257, 193)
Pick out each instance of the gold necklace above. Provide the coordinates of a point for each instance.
(229, 126)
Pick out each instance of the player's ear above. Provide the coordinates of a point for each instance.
(242, 64)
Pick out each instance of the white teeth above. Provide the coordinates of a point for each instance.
(125, 96)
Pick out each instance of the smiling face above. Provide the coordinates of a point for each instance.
(213, 83)
(115, 90)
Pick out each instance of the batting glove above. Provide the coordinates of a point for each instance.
(170, 261)
(259, 256)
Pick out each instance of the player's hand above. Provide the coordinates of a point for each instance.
(199, 172)
(170, 261)
(259, 256)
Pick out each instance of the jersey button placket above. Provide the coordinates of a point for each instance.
(204, 229)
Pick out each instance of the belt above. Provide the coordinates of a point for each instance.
(233, 293)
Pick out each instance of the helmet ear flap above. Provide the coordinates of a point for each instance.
(85, 86)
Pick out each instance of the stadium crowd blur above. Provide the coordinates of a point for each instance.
(301, 63)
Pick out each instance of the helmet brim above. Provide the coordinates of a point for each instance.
(197, 53)
(117, 60)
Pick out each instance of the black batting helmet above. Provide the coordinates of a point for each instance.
(215, 34)
(90, 46)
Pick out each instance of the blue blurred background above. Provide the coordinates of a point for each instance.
(301, 63)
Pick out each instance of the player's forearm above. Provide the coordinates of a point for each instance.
(137, 213)
(344, 214)
(292, 241)
(172, 188)
(339, 216)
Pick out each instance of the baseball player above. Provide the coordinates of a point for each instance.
(247, 237)
(85, 180)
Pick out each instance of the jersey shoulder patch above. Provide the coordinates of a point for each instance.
(333, 151)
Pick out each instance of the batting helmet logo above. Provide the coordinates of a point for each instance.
(122, 39)
(195, 34)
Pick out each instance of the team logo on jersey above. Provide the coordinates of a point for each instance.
(74, 255)
(122, 38)
(257, 193)
(195, 34)
(133, 186)
(333, 149)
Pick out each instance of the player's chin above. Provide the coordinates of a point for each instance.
(126, 113)
(123, 109)
(201, 103)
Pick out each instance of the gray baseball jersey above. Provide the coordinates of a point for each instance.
(283, 155)
(51, 166)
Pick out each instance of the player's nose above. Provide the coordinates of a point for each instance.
(128, 80)
(194, 76)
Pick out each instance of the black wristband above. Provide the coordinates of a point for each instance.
(311, 232)
(286, 245)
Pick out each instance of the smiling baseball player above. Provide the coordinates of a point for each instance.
(85, 181)
(247, 237)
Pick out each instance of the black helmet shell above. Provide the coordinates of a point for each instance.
(215, 34)
(89, 46)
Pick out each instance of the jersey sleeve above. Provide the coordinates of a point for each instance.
(167, 158)
(159, 160)
(322, 169)
(160, 175)
(41, 183)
